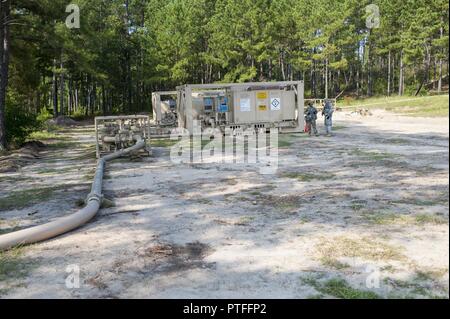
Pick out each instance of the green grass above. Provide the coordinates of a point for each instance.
(364, 248)
(358, 205)
(307, 177)
(339, 127)
(13, 268)
(54, 171)
(422, 284)
(25, 198)
(166, 142)
(334, 263)
(43, 135)
(388, 218)
(53, 136)
(438, 198)
(425, 106)
(371, 155)
(244, 220)
(63, 144)
(383, 218)
(422, 219)
(339, 288)
(163, 142)
(9, 262)
(286, 140)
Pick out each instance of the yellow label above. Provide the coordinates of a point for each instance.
(262, 107)
(261, 95)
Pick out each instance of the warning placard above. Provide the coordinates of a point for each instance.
(261, 95)
(262, 107)
(275, 104)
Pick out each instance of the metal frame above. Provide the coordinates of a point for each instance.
(187, 89)
(156, 104)
(99, 119)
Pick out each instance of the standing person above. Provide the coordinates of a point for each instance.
(328, 113)
(311, 118)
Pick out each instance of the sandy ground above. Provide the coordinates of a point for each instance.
(363, 211)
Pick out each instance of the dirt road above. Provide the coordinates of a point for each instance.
(361, 214)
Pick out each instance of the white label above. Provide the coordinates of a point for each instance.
(275, 104)
(245, 105)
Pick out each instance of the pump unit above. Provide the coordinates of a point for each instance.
(114, 133)
(255, 106)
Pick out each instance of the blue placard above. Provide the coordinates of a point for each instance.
(208, 101)
(223, 108)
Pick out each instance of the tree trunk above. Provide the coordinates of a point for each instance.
(389, 75)
(4, 67)
(357, 82)
(76, 99)
(400, 77)
(283, 73)
(103, 100)
(70, 102)
(55, 91)
(440, 67)
(326, 79)
(61, 86)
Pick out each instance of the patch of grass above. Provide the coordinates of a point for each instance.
(284, 143)
(397, 141)
(245, 221)
(334, 263)
(13, 266)
(339, 288)
(89, 175)
(371, 155)
(339, 127)
(286, 140)
(365, 248)
(44, 135)
(430, 274)
(163, 142)
(50, 170)
(358, 205)
(424, 283)
(304, 219)
(84, 156)
(417, 201)
(388, 218)
(430, 219)
(25, 198)
(285, 203)
(429, 106)
(63, 145)
(307, 177)
(9, 262)
(204, 201)
(230, 181)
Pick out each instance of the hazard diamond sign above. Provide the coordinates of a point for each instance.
(275, 104)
